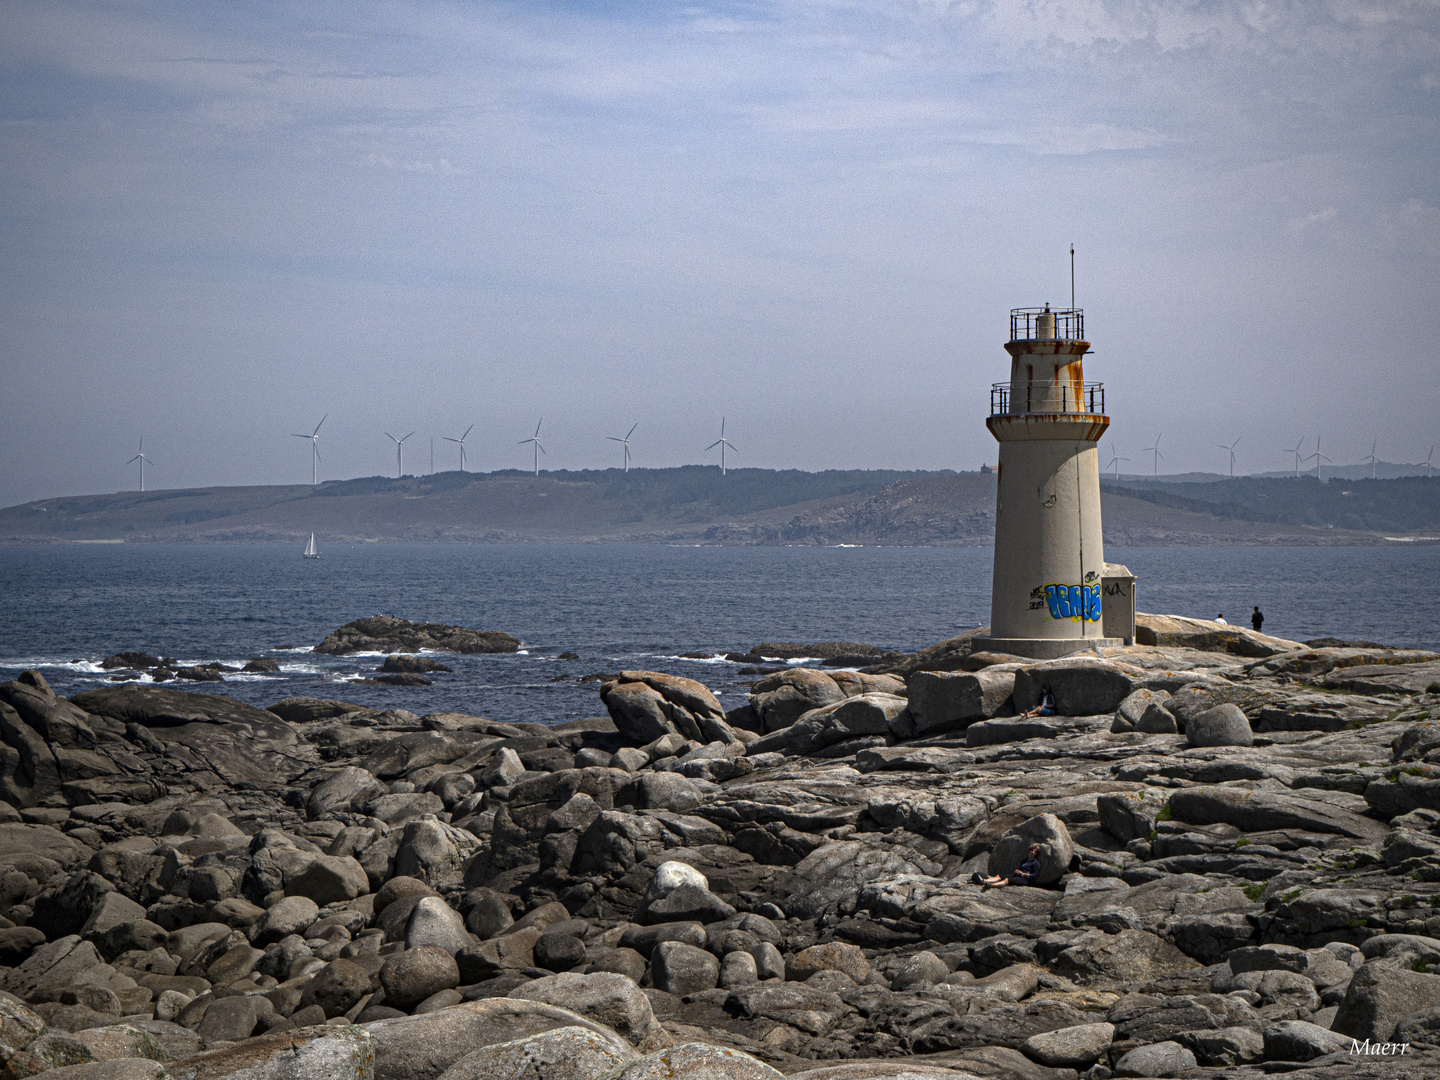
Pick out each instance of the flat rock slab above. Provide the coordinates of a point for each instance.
(992, 732)
(422, 1047)
(304, 1054)
(113, 1069)
(879, 1069)
(1008, 1025)
(568, 1053)
(1077, 1047)
(1263, 811)
(156, 706)
(834, 874)
(812, 1011)
(696, 1060)
(1386, 678)
(993, 1063)
(1178, 631)
(913, 759)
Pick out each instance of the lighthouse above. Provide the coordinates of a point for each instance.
(1048, 595)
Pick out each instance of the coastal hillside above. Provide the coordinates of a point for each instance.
(695, 504)
(1402, 505)
(452, 506)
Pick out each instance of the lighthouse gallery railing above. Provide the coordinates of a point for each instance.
(1050, 398)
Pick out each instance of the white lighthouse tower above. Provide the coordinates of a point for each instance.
(1047, 598)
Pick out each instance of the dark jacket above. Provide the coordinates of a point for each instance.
(1027, 872)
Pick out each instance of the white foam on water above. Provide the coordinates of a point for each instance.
(81, 667)
(303, 669)
(140, 678)
(718, 658)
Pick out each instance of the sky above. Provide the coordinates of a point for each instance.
(222, 222)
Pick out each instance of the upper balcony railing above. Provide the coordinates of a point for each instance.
(1048, 398)
(1047, 324)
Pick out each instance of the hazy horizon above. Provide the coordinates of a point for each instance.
(224, 223)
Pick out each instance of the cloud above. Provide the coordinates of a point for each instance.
(1416, 225)
(439, 167)
(1310, 221)
(1081, 139)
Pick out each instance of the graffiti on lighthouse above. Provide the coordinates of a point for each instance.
(1072, 602)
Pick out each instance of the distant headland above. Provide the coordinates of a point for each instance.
(696, 504)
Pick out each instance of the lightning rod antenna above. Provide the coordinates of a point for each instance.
(1072, 277)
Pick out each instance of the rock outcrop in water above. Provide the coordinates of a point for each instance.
(387, 634)
(193, 887)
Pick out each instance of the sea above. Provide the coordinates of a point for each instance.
(677, 609)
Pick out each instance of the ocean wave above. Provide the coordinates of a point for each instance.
(304, 669)
(141, 677)
(81, 667)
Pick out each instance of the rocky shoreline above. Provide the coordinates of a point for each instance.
(1239, 874)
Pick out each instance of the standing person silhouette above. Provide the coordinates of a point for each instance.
(1257, 620)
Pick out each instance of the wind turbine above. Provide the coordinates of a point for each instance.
(1298, 459)
(723, 443)
(1371, 459)
(461, 442)
(625, 443)
(314, 438)
(399, 453)
(1317, 457)
(140, 457)
(1159, 457)
(1429, 467)
(538, 448)
(1115, 460)
(1230, 448)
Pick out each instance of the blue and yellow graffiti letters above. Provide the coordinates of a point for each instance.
(1073, 602)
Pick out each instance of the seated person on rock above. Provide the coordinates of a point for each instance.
(1025, 874)
(1046, 706)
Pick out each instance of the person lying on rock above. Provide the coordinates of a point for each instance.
(1046, 706)
(1025, 874)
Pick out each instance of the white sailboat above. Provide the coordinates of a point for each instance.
(310, 552)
